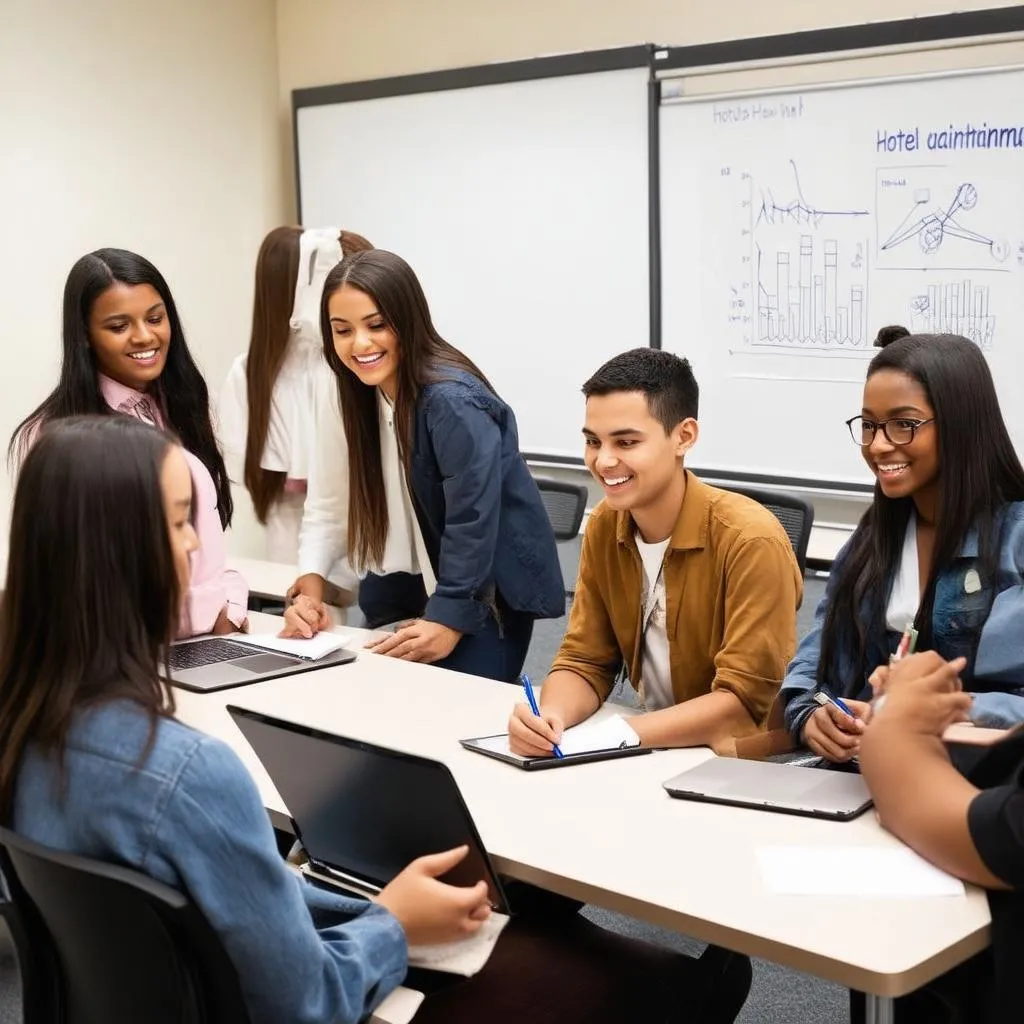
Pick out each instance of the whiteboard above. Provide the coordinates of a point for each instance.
(522, 207)
(797, 222)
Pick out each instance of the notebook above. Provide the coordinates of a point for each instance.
(595, 740)
(768, 786)
(209, 663)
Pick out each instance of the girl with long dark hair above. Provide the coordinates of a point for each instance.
(125, 353)
(421, 484)
(940, 549)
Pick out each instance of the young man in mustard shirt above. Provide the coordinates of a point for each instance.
(694, 589)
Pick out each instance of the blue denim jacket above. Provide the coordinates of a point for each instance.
(483, 522)
(191, 817)
(996, 611)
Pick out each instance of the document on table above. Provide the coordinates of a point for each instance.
(892, 872)
(398, 1008)
(613, 733)
(466, 956)
(313, 649)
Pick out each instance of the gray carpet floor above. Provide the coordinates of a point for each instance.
(778, 996)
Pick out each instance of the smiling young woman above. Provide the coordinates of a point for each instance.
(941, 546)
(124, 352)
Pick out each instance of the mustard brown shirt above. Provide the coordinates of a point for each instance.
(732, 588)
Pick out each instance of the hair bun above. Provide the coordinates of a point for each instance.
(887, 335)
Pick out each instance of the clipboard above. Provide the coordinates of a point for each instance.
(497, 747)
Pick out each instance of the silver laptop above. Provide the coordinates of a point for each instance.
(767, 786)
(209, 663)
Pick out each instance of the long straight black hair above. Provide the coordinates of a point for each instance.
(92, 597)
(423, 357)
(978, 473)
(180, 389)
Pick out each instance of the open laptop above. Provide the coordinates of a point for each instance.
(767, 786)
(363, 812)
(209, 663)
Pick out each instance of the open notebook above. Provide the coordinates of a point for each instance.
(594, 740)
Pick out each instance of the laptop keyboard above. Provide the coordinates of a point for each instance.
(208, 652)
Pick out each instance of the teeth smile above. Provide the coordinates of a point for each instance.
(141, 356)
(615, 481)
(894, 468)
(376, 357)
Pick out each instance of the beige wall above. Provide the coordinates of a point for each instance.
(149, 126)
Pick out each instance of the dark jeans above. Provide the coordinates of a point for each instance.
(574, 972)
(493, 653)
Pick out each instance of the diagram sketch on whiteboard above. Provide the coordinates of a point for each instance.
(927, 219)
(954, 307)
(796, 210)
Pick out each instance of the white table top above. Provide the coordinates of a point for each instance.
(607, 833)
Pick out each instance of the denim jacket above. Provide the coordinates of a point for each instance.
(479, 510)
(191, 817)
(986, 626)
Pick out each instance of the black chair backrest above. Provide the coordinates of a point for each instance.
(116, 944)
(565, 504)
(795, 514)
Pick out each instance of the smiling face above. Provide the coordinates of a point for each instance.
(364, 341)
(905, 470)
(130, 332)
(629, 453)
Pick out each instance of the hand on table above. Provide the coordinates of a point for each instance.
(419, 640)
(305, 617)
(834, 735)
(530, 736)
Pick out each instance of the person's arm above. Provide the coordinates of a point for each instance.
(762, 593)
(323, 536)
(920, 797)
(584, 669)
(218, 597)
(231, 420)
(302, 955)
(467, 445)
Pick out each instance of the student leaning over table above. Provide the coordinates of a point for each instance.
(942, 545)
(692, 588)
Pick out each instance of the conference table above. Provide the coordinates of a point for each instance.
(607, 833)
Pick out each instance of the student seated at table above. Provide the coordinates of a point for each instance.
(694, 589)
(92, 761)
(124, 353)
(420, 483)
(941, 546)
(972, 827)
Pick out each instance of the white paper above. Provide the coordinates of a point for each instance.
(890, 872)
(313, 649)
(607, 734)
(398, 1008)
(467, 956)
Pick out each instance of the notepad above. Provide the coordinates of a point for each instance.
(398, 1008)
(859, 871)
(613, 733)
(313, 649)
(466, 956)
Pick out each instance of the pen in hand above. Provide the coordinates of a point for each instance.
(528, 687)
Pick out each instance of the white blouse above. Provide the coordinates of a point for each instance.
(906, 587)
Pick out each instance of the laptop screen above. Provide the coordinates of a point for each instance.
(365, 810)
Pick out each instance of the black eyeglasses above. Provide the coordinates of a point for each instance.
(898, 430)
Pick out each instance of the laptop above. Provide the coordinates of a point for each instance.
(767, 786)
(209, 663)
(363, 812)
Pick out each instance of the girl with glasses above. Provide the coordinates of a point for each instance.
(940, 549)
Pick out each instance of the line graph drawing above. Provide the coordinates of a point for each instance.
(935, 213)
(797, 210)
(955, 307)
(802, 309)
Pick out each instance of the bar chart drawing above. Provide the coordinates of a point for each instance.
(799, 304)
(956, 307)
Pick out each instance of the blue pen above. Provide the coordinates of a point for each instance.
(826, 698)
(528, 687)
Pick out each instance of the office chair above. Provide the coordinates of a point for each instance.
(565, 504)
(795, 514)
(99, 943)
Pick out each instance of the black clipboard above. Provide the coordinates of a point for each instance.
(479, 745)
